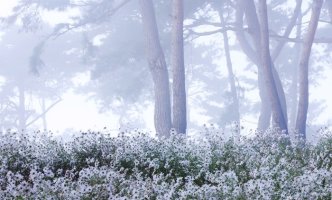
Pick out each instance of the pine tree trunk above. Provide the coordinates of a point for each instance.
(231, 77)
(281, 93)
(21, 109)
(268, 77)
(329, 8)
(177, 63)
(44, 116)
(158, 69)
(294, 87)
(301, 119)
(248, 8)
(264, 118)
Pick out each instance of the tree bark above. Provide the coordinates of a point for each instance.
(158, 69)
(231, 77)
(281, 93)
(303, 70)
(177, 63)
(329, 8)
(265, 112)
(293, 94)
(248, 8)
(21, 109)
(44, 116)
(277, 112)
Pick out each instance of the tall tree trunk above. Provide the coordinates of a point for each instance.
(158, 69)
(177, 63)
(301, 119)
(277, 112)
(44, 111)
(329, 8)
(265, 112)
(281, 93)
(293, 94)
(21, 109)
(248, 8)
(231, 77)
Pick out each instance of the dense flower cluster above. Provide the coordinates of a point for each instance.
(137, 166)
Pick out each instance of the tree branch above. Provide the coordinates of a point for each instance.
(67, 27)
(200, 22)
(288, 30)
(323, 40)
(43, 113)
(329, 8)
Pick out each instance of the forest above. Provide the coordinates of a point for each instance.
(165, 99)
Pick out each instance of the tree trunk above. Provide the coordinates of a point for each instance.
(177, 63)
(293, 94)
(329, 8)
(303, 70)
(264, 118)
(21, 112)
(252, 51)
(231, 77)
(158, 69)
(44, 116)
(248, 8)
(281, 93)
(277, 112)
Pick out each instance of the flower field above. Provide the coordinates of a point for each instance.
(137, 166)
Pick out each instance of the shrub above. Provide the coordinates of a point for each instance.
(137, 166)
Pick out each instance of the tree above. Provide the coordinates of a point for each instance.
(266, 63)
(177, 63)
(329, 8)
(248, 8)
(114, 59)
(293, 90)
(158, 69)
(303, 69)
(34, 82)
(231, 77)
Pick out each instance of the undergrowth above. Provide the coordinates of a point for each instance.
(137, 166)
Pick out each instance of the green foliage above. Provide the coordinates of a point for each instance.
(137, 166)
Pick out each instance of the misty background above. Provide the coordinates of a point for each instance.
(77, 65)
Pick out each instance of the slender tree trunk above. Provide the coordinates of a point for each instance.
(177, 62)
(301, 119)
(231, 77)
(158, 69)
(277, 112)
(281, 93)
(44, 116)
(329, 8)
(248, 8)
(21, 109)
(294, 87)
(264, 118)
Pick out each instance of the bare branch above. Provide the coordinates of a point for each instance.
(207, 33)
(200, 22)
(288, 30)
(323, 40)
(68, 27)
(43, 113)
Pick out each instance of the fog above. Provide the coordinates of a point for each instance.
(67, 66)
